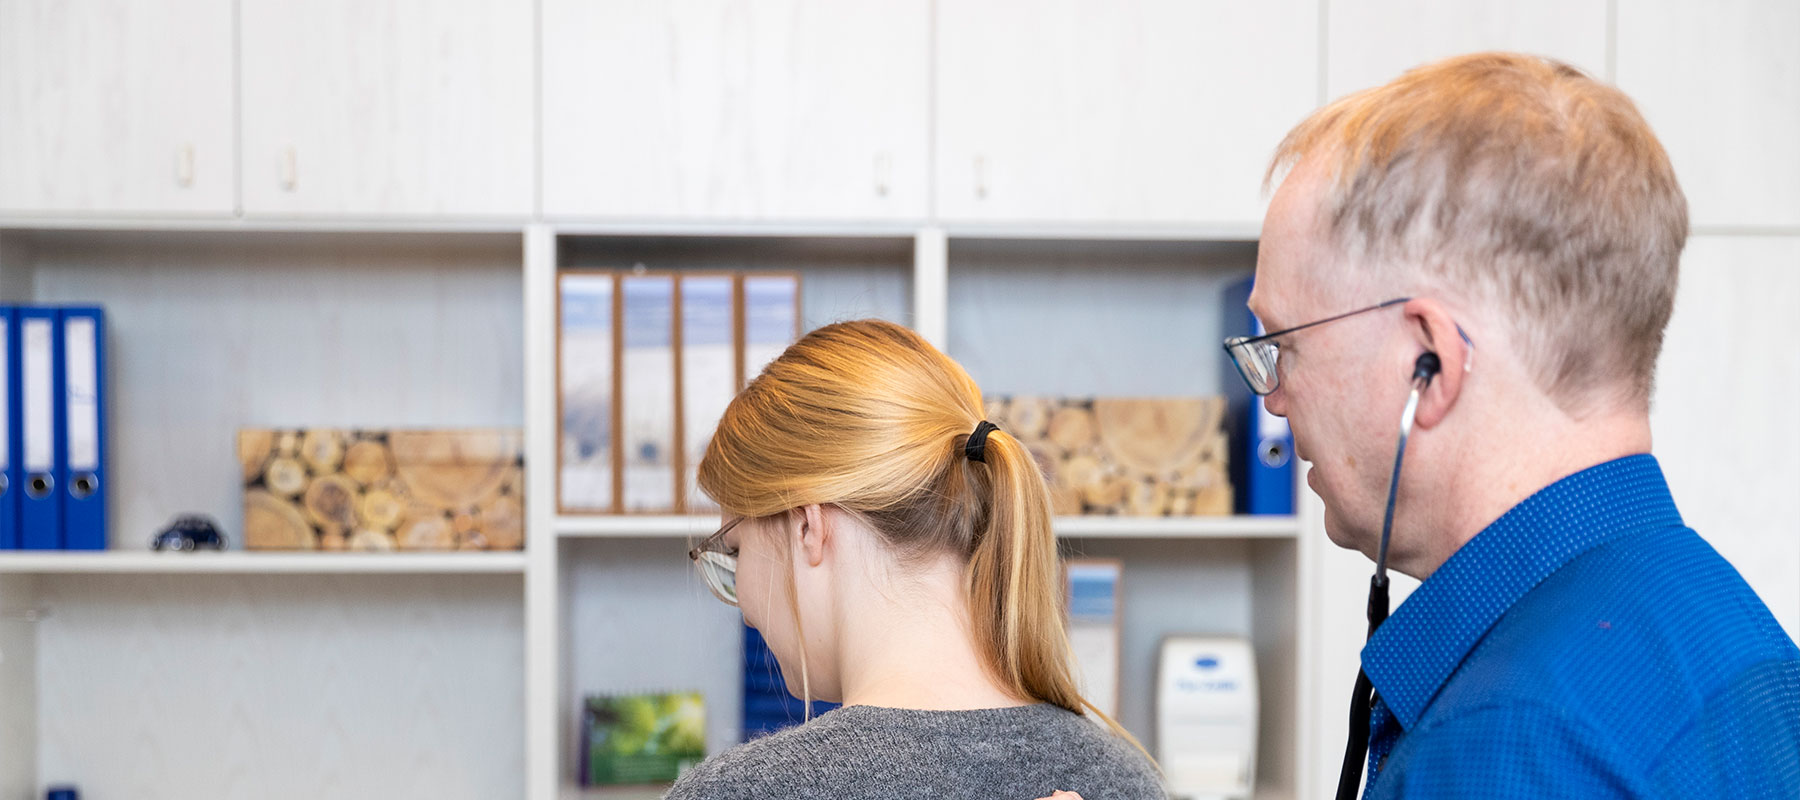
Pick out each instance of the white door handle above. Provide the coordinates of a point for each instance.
(289, 170)
(884, 169)
(184, 166)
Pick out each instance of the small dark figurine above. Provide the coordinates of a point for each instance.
(189, 532)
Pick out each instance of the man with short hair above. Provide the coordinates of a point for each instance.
(1572, 637)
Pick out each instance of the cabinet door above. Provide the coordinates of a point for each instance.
(116, 107)
(1117, 111)
(1720, 83)
(387, 107)
(736, 109)
(1370, 42)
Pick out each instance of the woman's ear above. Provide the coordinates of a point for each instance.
(815, 535)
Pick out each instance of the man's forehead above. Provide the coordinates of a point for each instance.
(1292, 246)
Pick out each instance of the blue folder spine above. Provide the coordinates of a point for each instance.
(40, 429)
(83, 438)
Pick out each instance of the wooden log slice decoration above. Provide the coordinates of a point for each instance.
(464, 523)
(427, 531)
(284, 476)
(1152, 437)
(1027, 418)
(1072, 428)
(1216, 451)
(1213, 500)
(1148, 498)
(367, 463)
(1079, 471)
(382, 510)
(254, 446)
(272, 523)
(287, 443)
(371, 540)
(323, 449)
(334, 541)
(1181, 503)
(1065, 500)
(473, 540)
(1106, 495)
(501, 525)
(1206, 466)
(331, 501)
(454, 470)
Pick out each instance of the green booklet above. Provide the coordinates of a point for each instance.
(641, 738)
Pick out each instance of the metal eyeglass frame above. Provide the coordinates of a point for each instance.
(1246, 351)
(718, 564)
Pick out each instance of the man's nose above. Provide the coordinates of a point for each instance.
(1276, 401)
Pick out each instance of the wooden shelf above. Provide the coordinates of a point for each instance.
(1234, 527)
(240, 562)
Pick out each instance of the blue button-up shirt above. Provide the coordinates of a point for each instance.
(1586, 644)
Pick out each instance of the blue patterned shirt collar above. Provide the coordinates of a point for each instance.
(1415, 652)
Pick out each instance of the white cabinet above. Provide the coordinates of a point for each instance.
(116, 107)
(387, 108)
(734, 109)
(1370, 42)
(1117, 111)
(1720, 83)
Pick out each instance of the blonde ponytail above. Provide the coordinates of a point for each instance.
(869, 417)
(1015, 584)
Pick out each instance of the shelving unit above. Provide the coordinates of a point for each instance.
(221, 325)
(224, 324)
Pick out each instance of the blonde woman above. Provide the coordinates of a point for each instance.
(895, 550)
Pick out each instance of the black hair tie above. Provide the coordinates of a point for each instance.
(976, 447)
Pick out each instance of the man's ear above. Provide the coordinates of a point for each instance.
(815, 534)
(1432, 328)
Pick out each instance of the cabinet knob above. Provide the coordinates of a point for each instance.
(884, 170)
(289, 170)
(981, 176)
(184, 166)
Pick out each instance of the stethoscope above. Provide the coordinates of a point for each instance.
(1362, 697)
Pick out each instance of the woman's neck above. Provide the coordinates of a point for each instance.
(910, 647)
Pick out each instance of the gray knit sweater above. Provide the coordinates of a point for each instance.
(861, 752)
